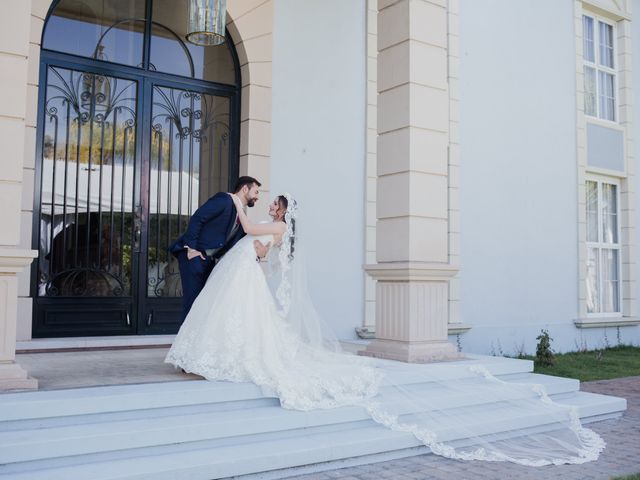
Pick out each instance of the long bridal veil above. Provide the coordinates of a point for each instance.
(456, 409)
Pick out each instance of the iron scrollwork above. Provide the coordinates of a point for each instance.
(88, 148)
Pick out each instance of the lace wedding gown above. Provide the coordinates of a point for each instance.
(236, 331)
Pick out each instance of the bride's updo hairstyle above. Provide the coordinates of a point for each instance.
(284, 204)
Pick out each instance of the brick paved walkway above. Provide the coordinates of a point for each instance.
(621, 457)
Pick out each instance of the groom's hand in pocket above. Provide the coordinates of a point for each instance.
(261, 250)
(191, 253)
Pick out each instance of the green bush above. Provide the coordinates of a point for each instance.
(544, 354)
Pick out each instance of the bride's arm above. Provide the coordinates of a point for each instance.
(274, 228)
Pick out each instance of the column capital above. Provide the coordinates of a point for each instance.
(14, 260)
(412, 271)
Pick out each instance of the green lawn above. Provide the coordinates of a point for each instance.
(614, 362)
(628, 477)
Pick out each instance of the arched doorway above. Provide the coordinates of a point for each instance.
(136, 128)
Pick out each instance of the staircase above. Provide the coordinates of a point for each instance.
(206, 430)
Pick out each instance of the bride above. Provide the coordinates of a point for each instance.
(248, 326)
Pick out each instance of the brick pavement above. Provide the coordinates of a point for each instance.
(621, 457)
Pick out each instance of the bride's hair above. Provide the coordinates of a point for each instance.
(284, 203)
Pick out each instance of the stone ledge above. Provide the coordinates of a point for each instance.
(457, 328)
(602, 322)
(369, 332)
(73, 344)
(14, 260)
(412, 271)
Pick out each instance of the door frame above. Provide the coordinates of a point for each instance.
(132, 312)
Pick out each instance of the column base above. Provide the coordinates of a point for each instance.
(412, 352)
(14, 377)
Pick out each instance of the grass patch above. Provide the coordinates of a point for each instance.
(614, 362)
(628, 477)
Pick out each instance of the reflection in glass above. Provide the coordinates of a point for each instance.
(587, 36)
(109, 30)
(86, 210)
(606, 44)
(593, 279)
(606, 85)
(609, 213)
(592, 211)
(610, 281)
(590, 106)
(189, 162)
(168, 46)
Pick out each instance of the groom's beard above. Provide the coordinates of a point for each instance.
(251, 202)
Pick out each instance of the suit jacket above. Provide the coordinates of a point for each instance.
(210, 226)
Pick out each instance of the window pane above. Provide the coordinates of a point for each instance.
(590, 91)
(190, 151)
(609, 213)
(592, 211)
(88, 171)
(606, 87)
(587, 35)
(170, 51)
(606, 44)
(610, 281)
(593, 274)
(110, 30)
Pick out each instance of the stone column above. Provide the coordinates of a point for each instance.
(14, 51)
(412, 269)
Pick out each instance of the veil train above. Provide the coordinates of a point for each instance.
(439, 405)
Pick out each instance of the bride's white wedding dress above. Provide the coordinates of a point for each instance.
(238, 331)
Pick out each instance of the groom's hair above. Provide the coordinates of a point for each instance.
(242, 181)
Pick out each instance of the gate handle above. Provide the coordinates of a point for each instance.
(128, 320)
(137, 234)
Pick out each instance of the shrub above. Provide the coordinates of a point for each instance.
(544, 354)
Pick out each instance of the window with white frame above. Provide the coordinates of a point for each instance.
(603, 247)
(599, 54)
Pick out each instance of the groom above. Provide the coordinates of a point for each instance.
(213, 229)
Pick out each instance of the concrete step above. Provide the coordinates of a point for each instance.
(207, 460)
(233, 426)
(593, 407)
(221, 462)
(204, 430)
(85, 437)
(121, 398)
(124, 398)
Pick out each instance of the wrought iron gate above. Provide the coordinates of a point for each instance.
(124, 160)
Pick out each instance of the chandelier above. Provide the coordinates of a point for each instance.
(207, 22)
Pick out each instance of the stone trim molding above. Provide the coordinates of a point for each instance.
(453, 329)
(412, 271)
(604, 322)
(14, 260)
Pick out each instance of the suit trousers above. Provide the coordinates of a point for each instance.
(194, 274)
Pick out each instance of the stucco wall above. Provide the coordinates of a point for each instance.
(518, 195)
(318, 144)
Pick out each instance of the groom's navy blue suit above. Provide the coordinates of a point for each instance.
(209, 230)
